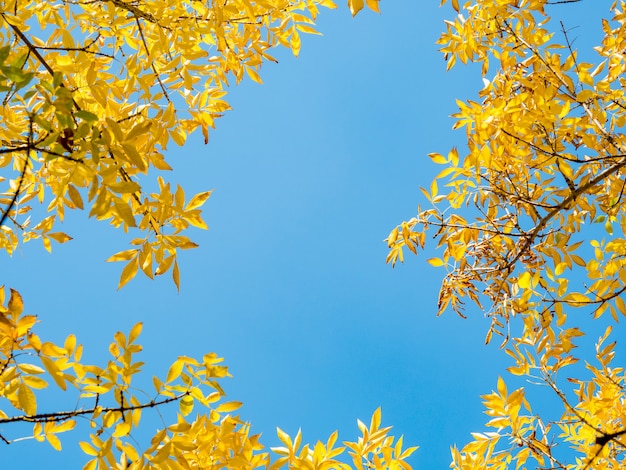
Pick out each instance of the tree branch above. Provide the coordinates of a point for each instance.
(60, 416)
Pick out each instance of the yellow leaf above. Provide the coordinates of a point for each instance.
(584, 95)
(125, 187)
(436, 262)
(164, 266)
(434, 190)
(438, 158)
(70, 344)
(501, 387)
(284, 438)
(576, 299)
(186, 405)
(295, 43)
(129, 272)
(564, 110)
(135, 332)
(176, 276)
(65, 426)
(375, 422)
(524, 280)
(75, 196)
(174, 372)
(125, 212)
(26, 399)
(122, 429)
(306, 29)
(546, 318)
(198, 200)
(59, 237)
(134, 156)
(373, 5)
(178, 136)
(88, 449)
(228, 407)
(453, 156)
(53, 440)
(145, 260)
(123, 255)
(46, 243)
(138, 130)
(253, 74)
(30, 369)
(196, 221)
(16, 304)
(355, 6)
(34, 382)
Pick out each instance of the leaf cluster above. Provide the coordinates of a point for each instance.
(94, 92)
(111, 406)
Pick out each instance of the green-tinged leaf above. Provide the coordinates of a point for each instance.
(86, 116)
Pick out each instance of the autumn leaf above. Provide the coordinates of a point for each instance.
(16, 304)
(94, 92)
(26, 399)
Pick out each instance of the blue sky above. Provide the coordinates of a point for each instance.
(310, 172)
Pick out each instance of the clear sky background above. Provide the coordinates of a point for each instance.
(311, 171)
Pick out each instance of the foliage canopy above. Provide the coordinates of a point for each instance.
(531, 226)
(531, 222)
(93, 92)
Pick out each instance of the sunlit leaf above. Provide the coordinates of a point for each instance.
(27, 399)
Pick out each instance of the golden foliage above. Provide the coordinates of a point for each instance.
(95, 91)
(532, 225)
(111, 401)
